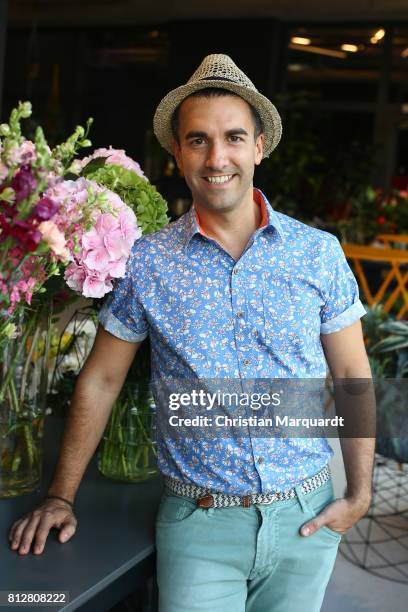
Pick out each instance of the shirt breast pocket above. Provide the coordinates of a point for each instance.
(291, 316)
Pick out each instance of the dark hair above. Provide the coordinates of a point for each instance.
(214, 92)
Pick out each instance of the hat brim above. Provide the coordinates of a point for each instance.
(271, 121)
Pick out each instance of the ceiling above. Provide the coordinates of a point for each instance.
(115, 12)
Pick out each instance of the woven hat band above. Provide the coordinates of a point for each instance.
(215, 78)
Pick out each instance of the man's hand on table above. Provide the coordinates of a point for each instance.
(339, 516)
(35, 526)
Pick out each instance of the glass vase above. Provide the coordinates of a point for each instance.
(23, 390)
(127, 451)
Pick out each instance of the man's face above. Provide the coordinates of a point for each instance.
(217, 152)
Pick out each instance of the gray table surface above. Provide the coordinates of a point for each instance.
(111, 552)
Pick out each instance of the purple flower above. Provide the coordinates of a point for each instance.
(24, 183)
(45, 208)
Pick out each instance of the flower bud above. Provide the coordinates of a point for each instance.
(4, 129)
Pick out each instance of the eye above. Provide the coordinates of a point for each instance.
(236, 138)
(197, 141)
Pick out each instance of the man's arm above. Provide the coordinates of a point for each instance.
(347, 358)
(97, 387)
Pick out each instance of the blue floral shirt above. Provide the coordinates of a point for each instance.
(209, 316)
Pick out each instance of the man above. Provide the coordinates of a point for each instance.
(232, 290)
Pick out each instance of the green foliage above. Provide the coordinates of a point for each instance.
(66, 151)
(13, 128)
(386, 343)
(140, 195)
(387, 348)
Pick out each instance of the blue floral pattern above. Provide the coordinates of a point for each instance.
(209, 316)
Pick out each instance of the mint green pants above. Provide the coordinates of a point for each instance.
(243, 559)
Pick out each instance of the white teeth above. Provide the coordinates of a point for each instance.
(219, 179)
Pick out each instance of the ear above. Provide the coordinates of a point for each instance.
(175, 147)
(259, 149)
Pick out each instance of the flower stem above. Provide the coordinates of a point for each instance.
(27, 364)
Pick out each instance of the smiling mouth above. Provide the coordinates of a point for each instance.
(219, 180)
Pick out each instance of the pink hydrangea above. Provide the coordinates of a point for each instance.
(105, 231)
(115, 156)
(91, 283)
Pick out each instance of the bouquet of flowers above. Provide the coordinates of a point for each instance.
(65, 225)
(29, 254)
(63, 216)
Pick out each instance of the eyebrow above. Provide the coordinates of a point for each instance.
(233, 132)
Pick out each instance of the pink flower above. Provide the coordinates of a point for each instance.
(3, 171)
(75, 276)
(19, 154)
(50, 177)
(54, 238)
(25, 287)
(95, 286)
(117, 269)
(105, 239)
(27, 152)
(71, 194)
(32, 267)
(88, 282)
(28, 290)
(128, 226)
(117, 157)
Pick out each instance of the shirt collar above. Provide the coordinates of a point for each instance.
(269, 219)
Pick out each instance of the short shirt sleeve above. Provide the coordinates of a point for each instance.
(122, 314)
(342, 306)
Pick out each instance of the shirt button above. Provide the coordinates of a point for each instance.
(236, 270)
(261, 460)
(246, 362)
(240, 314)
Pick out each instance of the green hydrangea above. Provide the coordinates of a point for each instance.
(141, 196)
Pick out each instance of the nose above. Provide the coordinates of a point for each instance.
(216, 156)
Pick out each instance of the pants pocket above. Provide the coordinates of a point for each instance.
(175, 510)
(317, 501)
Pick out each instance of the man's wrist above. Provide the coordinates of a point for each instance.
(62, 495)
(360, 500)
(63, 499)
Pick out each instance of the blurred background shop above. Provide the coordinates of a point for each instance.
(338, 73)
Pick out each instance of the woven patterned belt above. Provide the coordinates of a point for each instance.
(208, 499)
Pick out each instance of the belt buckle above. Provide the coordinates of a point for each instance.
(246, 501)
(206, 501)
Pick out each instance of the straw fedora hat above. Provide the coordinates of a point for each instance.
(218, 70)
